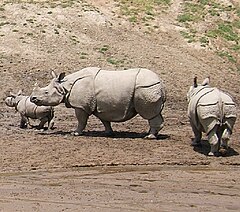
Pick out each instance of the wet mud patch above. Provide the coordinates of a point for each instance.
(125, 188)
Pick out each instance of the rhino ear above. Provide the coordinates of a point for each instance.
(36, 85)
(195, 82)
(53, 73)
(19, 92)
(206, 81)
(12, 94)
(61, 76)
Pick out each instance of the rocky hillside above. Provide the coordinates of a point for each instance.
(175, 38)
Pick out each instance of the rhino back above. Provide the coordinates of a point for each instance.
(195, 111)
(217, 104)
(29, 109)
(71, 79)
(215, 108)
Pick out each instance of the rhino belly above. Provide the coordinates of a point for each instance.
(116, 115)
(36, 112)
(114, 92)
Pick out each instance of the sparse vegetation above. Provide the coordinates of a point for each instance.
(83, 55)
(103, 49)
(212, 24)
(74, 39)
(222, 31)
(114, 61)
(142, 11)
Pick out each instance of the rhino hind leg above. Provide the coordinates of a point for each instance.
(82, 118)
(51, 122)
(24, 122)
(225, 137)
(197, 135)
(108, 128)
(214, 142)
(156, 124)
(42, 123)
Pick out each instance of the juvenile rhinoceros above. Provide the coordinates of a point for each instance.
(213, 112)
(112, 96)
(27, 110)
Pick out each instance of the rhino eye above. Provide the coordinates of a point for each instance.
(46, 92)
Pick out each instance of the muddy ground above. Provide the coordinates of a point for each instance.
(55, 171)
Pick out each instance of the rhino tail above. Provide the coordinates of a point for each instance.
(221, 109)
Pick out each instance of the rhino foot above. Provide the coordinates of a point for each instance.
(196, 143)
(216, 154)
(223, 150)
(210, 154)
(150, 137)
(77, 133)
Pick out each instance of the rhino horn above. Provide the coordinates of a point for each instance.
(195, 82)
(12, 94)
(19, 92)
(36, 86)
(206, 81)
(53, 73)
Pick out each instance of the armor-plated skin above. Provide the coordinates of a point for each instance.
(27, 110)
(213, 112)
(112, 96)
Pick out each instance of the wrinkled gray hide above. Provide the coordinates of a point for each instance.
(112, 96)
(213, 112)
(27, 110)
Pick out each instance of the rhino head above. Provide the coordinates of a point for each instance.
(13, 99)
(195, 87)
(50, 95)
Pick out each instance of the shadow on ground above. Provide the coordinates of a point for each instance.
(121, 134)
(204, 148)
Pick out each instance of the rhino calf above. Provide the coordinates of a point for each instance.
(213, 112)
(27, 110)
(112, 96)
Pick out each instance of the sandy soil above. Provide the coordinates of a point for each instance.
(55, 171)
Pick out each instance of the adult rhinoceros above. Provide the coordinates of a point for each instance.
(213, 112)
(112, 96)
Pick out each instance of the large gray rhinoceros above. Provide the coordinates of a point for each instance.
(28, 110)
(213, 112)
(112, 96)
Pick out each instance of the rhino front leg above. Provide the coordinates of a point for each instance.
(50, 123)
(214, 142)
(42, 123)
(108, 128)
(82, 118)
(24, 122)
(156, 124)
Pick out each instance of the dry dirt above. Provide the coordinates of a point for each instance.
(55, 171)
